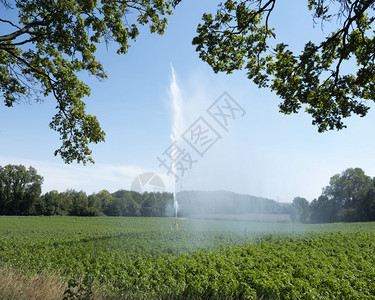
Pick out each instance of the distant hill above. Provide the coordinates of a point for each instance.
(224, 202)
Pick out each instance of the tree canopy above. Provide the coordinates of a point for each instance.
(239, 36)
(349, 197)
(48, 43)
(19, 189)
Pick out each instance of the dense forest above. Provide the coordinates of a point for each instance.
(349, 197)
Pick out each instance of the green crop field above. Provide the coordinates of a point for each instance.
(141, 258)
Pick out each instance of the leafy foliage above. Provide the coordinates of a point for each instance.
(119, 203)
(349, 197)
(50, 42)
(77, 290)
(19, 189)
(238, 37)
(139, 258)
(20, 194)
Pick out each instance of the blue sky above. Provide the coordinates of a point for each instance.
(264, 153)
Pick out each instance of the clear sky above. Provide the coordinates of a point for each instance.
(263, 152)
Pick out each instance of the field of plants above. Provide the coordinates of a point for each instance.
(141, 258)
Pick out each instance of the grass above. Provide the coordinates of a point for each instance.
(26, 284)
(18, 285)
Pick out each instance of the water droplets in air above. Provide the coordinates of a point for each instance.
(177, 129)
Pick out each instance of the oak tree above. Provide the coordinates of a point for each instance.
(239, 36)
(46, 44)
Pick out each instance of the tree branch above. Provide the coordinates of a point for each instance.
(9, 22)
(12, 45)
(25, 29)
(27, 64)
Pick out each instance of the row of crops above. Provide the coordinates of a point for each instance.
(142, 258)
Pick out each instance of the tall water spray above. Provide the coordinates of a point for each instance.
(177, 130)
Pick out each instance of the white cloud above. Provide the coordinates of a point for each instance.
(90, 178)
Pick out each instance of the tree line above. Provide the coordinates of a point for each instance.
(21, 194)
(349, 197)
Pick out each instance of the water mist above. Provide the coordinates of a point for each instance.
(177, 130)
